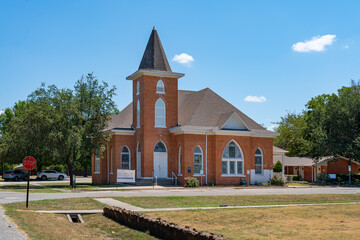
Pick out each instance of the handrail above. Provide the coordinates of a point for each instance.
(172, 177)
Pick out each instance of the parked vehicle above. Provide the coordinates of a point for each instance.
(51, 174)
(14, 175)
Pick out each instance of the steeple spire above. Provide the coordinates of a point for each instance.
(154, 57)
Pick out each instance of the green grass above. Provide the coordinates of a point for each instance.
(79, 186)
(23, 187)
(215, 201)
(56, 226)
(57, 204)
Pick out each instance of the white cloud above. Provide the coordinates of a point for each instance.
(317, 44)
(346, 46)
(255, 99)
(184, 59)
(271, 127)
(1, 112)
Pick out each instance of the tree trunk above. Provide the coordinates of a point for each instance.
(70, 173)
(85, 170)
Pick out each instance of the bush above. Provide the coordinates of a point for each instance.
(277, 167)
(60, 168)
(211, 183)
(191, 182)
(323, 178)
(277, 181)
(291, 178)
(264, 184)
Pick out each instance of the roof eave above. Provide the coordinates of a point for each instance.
(155, 73)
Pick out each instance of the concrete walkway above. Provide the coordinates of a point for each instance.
(8, 230)
(116, 203)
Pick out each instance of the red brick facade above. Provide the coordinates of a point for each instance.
(212, 145)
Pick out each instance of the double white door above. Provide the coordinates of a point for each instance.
(160, 165)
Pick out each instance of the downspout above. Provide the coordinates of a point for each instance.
(108, 164)
(283, 166)
(206, 154)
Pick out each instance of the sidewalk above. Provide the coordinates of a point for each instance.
(8, 230)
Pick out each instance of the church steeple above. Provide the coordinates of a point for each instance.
(154, 57)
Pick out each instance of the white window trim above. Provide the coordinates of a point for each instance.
(163, 85)
(137, 88)
(262, 162)
(156, 125)
(180, 165)
(97, 172)
(236, 160)
(202, 161)
(124, 154)
(111, 160)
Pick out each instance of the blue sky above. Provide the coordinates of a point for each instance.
(279, 52)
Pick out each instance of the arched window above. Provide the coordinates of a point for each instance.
(125, 158)
(160, 113)
(198, 160)
(180, 162)
(232, 160)
(137, 88)
(258, 161)
(138, 114)
(160, 147)
(160, 88)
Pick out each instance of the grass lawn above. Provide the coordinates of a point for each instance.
(79, 186)
(22, 188)
(57, 204)
(309, 222)
(56, 226)
(215, 201)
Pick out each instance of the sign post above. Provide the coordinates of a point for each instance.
(29, 163)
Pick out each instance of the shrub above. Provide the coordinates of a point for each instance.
(277, 181)
(277, 167)
(323, 178)
(58, 167)
(264, 184)
(211, 183)
(191, 182)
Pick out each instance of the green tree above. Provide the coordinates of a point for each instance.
(277, 167)
(291, 129)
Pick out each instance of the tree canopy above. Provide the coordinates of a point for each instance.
(58, 126)
(329, 126)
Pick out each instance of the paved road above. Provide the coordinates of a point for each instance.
(8, 197)
(67, 180)
(8, 231)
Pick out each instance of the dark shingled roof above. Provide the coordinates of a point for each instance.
(154, 57)
(202, 109)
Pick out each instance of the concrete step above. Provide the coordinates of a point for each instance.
(149, 182)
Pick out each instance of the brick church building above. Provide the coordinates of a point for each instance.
(166, 132)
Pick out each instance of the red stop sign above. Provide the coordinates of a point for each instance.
(29, 163)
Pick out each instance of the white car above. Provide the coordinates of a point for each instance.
(51, 174)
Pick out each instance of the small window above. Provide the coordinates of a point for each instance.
(125, 158)
(97, 162)
(138, 114)
(160, 113)
(258, 162)
(198, 160)
(137, 88)
(180, 162)
(160, 87)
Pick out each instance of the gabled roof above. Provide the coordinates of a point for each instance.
(154, 57)
(197, 110)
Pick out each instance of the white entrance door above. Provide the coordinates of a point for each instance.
(160, 164)
(138, 164)
(301, 173)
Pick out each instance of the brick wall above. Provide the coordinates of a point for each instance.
(340, 166)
